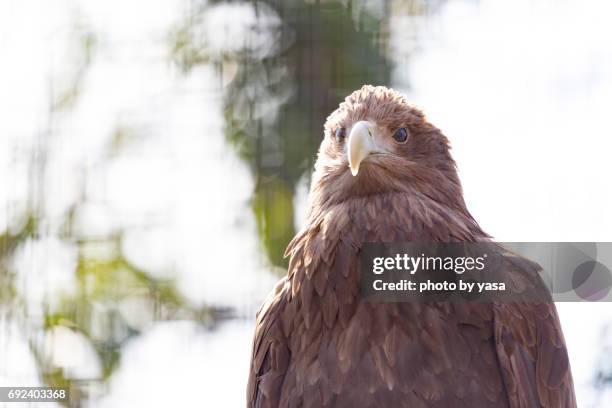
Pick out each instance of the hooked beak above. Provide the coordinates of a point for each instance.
(360, 145)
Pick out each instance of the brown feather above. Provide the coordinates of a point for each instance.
(317, 343)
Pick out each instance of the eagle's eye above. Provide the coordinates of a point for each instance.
(400, 135)
(340, 133)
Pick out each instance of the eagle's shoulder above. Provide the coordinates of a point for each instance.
(529, 340)
(270, 355)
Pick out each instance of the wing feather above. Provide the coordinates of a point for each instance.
(271, 356)
(533, 356)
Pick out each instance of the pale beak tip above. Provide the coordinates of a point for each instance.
(360, 145)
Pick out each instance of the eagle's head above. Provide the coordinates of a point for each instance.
(376, 142)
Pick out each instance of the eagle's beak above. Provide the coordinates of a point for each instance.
(360, 145)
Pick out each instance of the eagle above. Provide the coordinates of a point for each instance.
(384, 173)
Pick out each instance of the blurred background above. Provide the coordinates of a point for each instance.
(155, 160)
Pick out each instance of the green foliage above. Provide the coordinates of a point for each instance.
(9, 242)
(183, 50)
(278, 100)
(84, 42)
(93, 310)
(273, 208)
